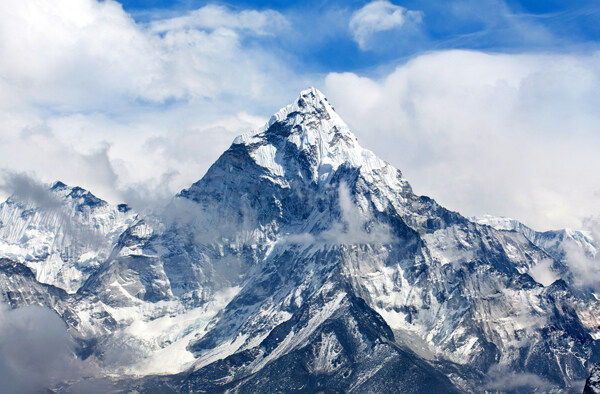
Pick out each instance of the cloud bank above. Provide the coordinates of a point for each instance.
(139, 110)
(35, 350)
(508, 135)
(84, 54)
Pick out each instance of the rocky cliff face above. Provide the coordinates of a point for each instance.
(301, 261)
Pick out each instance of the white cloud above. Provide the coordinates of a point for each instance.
(584, 265)
(542, 272)
(499, 379)
(379, 16)
(91, 97)
(510, 135)
(84, 54)
(592, 225)
(35, 350)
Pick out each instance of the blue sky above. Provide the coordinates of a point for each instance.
(320, 40)
(488, 106)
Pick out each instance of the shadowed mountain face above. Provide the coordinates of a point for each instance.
(301, 261)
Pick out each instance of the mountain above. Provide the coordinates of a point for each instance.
(19, 287)
(575, 251)
(301, 261)
(62, 235)
(556, 242)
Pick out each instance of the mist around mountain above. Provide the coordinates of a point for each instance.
(592, 384)
(299, 262)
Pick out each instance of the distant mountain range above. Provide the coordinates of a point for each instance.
(302, 262)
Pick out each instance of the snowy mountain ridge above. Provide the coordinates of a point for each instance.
(575, 251)
(63, 235)
(302, 261)
(318, 130)
(547, 239)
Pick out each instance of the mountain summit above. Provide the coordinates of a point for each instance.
(305, 140)
(310, 130)
(301, 261)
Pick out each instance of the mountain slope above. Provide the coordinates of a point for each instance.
(463, 289)
(296, 216)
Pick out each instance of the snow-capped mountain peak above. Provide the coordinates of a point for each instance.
(310, 101)
(311, 130)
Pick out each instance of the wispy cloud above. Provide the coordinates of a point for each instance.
(213, 17)
(592, 224)
(498, 379)
(584, 262)
(24, 188)
(355, 226)
(543, 273)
